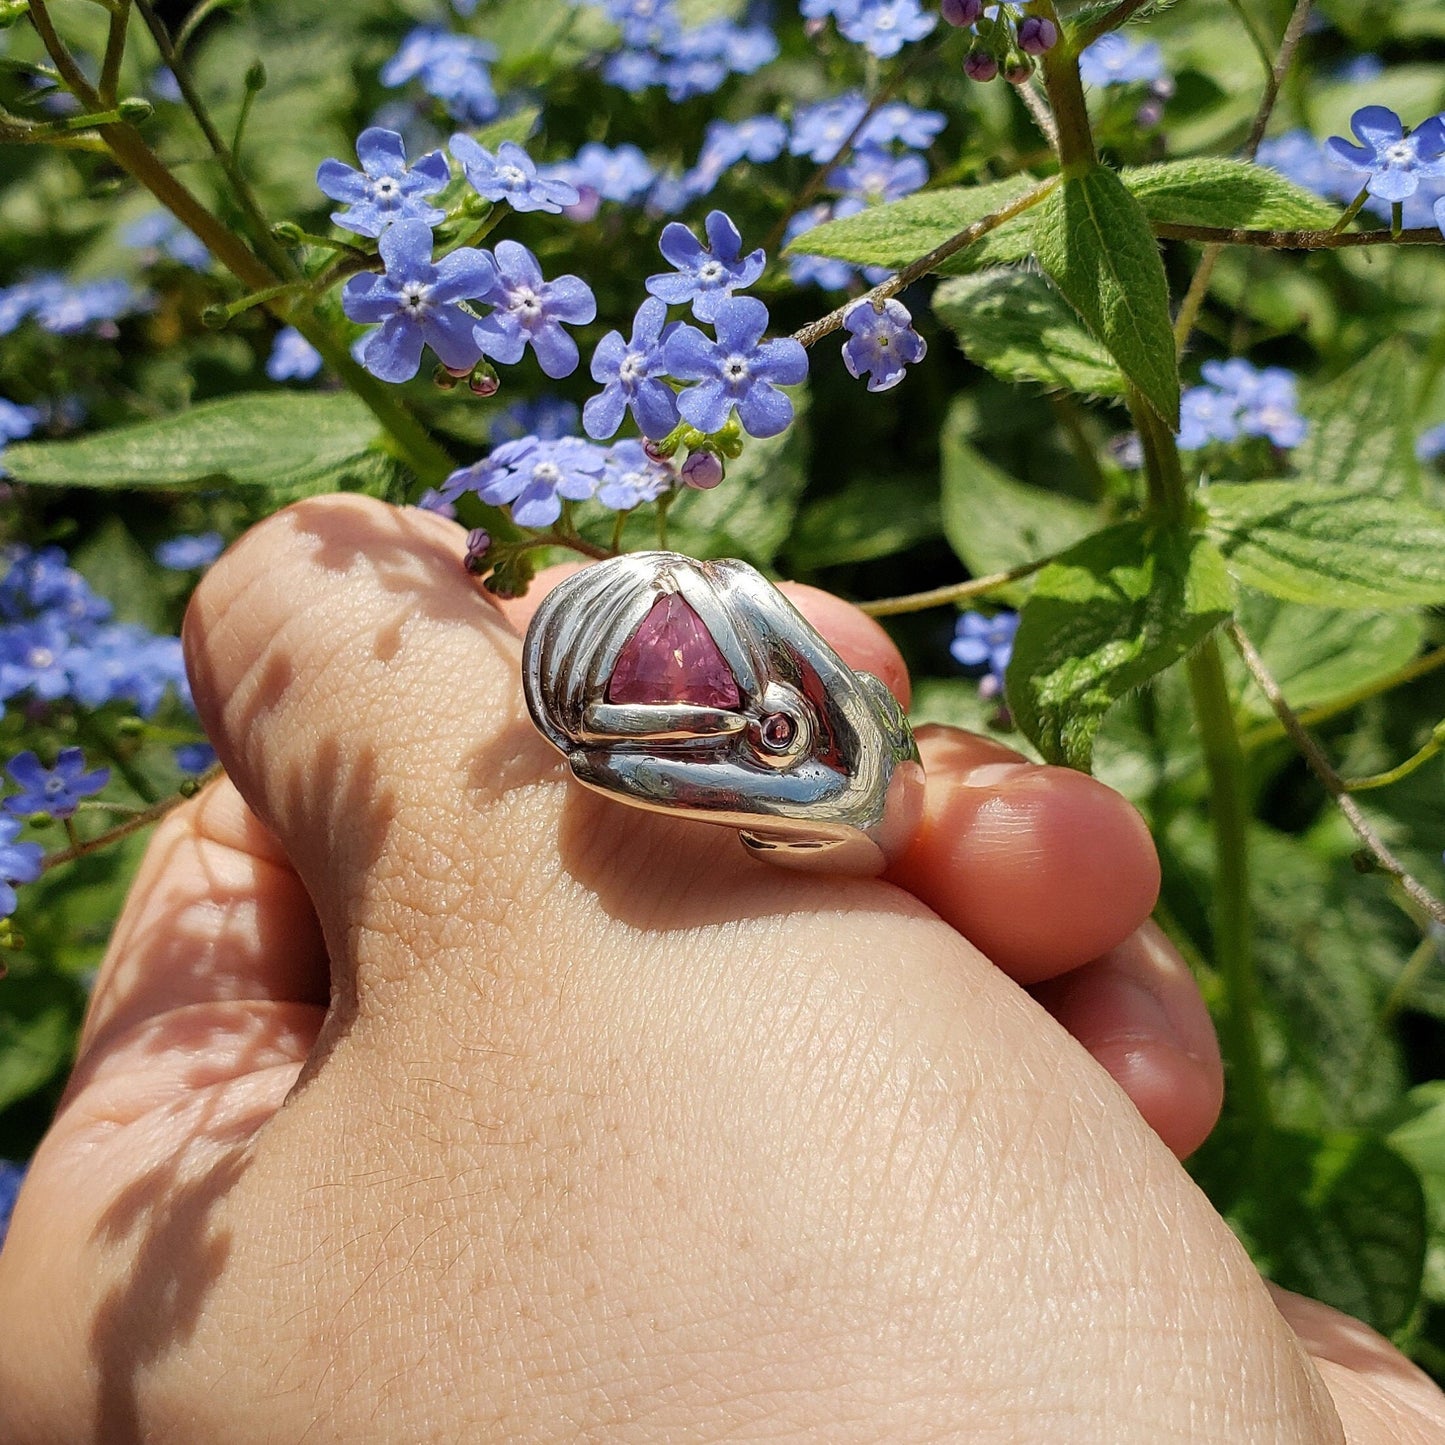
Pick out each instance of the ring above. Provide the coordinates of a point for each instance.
(697, 689)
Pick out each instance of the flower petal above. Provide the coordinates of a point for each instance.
(680, 247)
(449, 333)
(500, 338)
(764, 410)
(341, 182)
(393, 350)
(689, 354)
(740, 323)
(782, 360)
(555, 350)
(381, 152)
(723, 237)
(706, 405)
(1377, 126)
(517, 264)
(603, 413)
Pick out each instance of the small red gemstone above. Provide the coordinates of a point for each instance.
(672, 658)
(778, 731)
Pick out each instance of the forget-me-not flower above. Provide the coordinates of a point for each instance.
(416, 302)
(531, 311)
(190, 554)
(1392, 162)
(451, 68)
(884, 27)
(511, 176)
(533, 477)
(631, 372)
(1116, 59)
(292, 357)
(982, 641)
(56, 791)
(631, 477)
(881, 342)
(385, 189)
(705, 275)
(19, 863)
(739, 370)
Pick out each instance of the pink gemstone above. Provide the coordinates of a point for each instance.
(672, 658)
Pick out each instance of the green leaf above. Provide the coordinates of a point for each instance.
(1329, 548)
(994, 523)
(1095, 244)
(1019, 327)
(955, 702)
(1211, 191)
(897, 234)
(1362, 432)
(1318, 655)
(275, 440)
(1420, 1137)
(38, 1017)
(517, 128)
(1102, 620)
(122, 572)
(1341, 1218)
(871, 518)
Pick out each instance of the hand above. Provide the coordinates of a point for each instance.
(608, 1131)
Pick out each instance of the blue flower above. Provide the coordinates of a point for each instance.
(705, 275)
(874, 176)
(511, 176)
(44, 582)
(884, 27)
(292, 357)
(451, 68)
(545, 417)
(56, 791)
(19, 863)
(190, 554)
(1392, 161)
(159, 233)
(38, 657)
(622, 173)
(644, 23)
(1431, 445)
(1239, 399)
(533, 477)
(820, 130)
(882, 342)
(759, 139)
(531, 311)
(739, 370)
(633, 70)
(194, 758)
(416, 303)
(384, 190)
(1116, 59)
(631, 477)
(66, 309)
(11, 1175)
(630, 371)
(895, 121)
(980, 641)
(17, 421)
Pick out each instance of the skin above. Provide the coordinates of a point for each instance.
(424, 1096)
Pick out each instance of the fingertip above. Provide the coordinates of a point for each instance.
(858, 639)
(1043, 868)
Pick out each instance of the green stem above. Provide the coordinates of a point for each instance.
(954, 592)
(114, 52)
(1169, 498)
(102, 742)
(1231, 912)
(1412, 764)
(1065, 87)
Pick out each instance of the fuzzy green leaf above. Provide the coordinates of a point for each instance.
(1212, 191)
(994, 523)
(871, 518)
(1330, 548)
(897, 234)
(1362, 432)
(1094, 241)
(1019, 327)
(1104, 619)
(275, 440)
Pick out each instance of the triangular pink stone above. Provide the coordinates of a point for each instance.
(672, 658)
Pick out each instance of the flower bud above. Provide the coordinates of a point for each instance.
(135, 109)
(1019, 70)
(484, 380)
(1037, 35)
(478, 542)
(980, 65)
(702, 470)
(962, 13)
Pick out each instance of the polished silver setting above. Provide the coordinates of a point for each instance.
(816, 767)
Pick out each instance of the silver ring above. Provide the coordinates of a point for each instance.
(697, 689)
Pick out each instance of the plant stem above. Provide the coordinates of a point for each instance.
(1077, 155)
(1334, 785)
(1231, 913)
(114, 53)
(134, 824)
(1411, 764)
(1169, 498)
(816, 330)
(955, 592)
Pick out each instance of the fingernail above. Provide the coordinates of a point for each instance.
(1134, 1013)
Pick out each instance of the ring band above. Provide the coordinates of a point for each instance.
(697, 689)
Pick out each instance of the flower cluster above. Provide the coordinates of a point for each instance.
(1118, 61)
(659, 49)
(53, 792)
(67, 308)
(881, 27)
(1391, 165)
(1003, 40)
(417, 301)
(534, 475)
(1237, 400)
(453, 69)
(58, 642)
